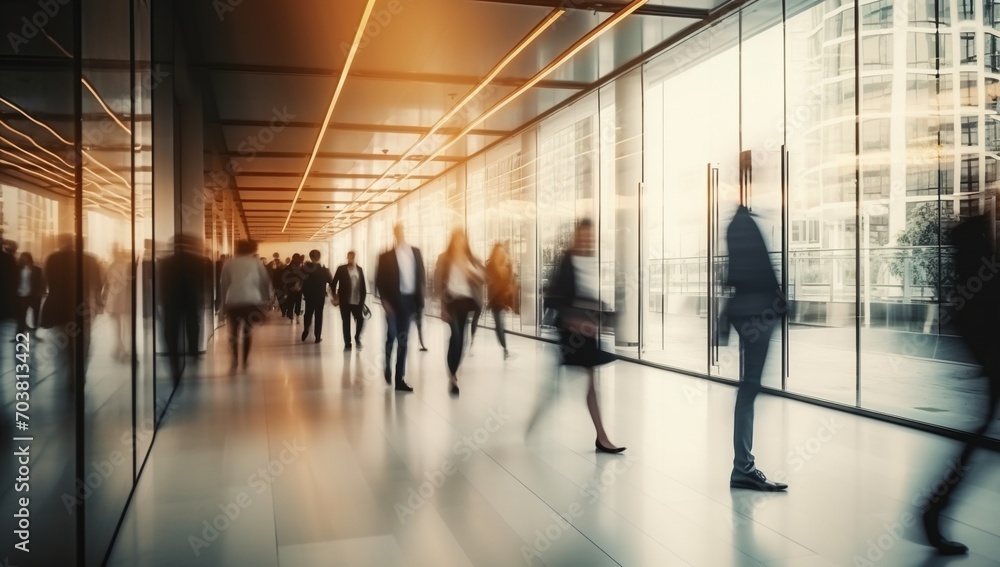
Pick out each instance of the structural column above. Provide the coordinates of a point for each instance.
(628, 178)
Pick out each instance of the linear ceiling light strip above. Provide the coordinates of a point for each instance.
(60, 138)
(100, 101)
(35, 173)
(58, 173)
(358, 35)
(497, 69)
(555, 64)
(586, 40)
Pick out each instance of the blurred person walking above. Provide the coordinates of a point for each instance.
(30, 290)
(246, 288)
(292, 277)
(64, 299)
(117, 294)
(976, 318)
(756, 291)
(574, 296)
(400, 281)
(458, 279)
(349, 292)
(184, 280)
(501, 289)
(317, 279)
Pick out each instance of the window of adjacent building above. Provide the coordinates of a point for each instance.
(992, 134)
(922, 12)
(990, 170)
(991, 52)
(877, 93)
(877, 15)
(970, 130)
(875, 181)
(968, 208)
(875, 134)
(970, 174)
(991, 13)
(922, 50)
(840, 59)
(970, 91)
(966, 9)
(946, 134)
(967, 43)
(876, 52)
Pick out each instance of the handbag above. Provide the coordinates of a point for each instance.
(365, 312)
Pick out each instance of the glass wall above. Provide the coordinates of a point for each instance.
(767, 107)
(78, 197)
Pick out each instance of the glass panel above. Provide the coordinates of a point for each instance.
(761, 163)
(37, 202)
(821, 209)
(692, 163)
(106, 263)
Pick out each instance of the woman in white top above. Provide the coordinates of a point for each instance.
(459, 279)
(246, 290)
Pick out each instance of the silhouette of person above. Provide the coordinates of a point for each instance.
(317, 279)
(118, 301)
(400, 281)
(65, 300)
(8, 281)
(501, 288)
(756, 291)
(459, 277)
(349, 292)
(30, 289)
(976, 318)
(574, 295)
(292, 277)
(246, 288)
(184, 278)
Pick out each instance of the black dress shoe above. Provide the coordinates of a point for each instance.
(402, 386)
(357, 341)
(347, 347)
(423, 349)
(453, 389)
(755, 481)
(304, 335)
(602, 449)
(934, 537)
(318, 340)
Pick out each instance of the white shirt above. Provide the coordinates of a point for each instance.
(25, 286)
(458, 284)
(585, 268)
(352, 271)
(407, 269)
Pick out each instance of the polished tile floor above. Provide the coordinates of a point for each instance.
(308, 459)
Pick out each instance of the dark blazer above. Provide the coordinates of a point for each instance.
(387, 278)
(317, 278)
(342, 284)
(750, 270)
(563, 294)
(64, 297)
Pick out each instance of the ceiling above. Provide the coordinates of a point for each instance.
(273, 69)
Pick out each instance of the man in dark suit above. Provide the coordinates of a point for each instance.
(400, 283)
(753, 310)
(350, 290)
(30, 289)
(317, 278)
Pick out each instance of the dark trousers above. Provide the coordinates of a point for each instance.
(982, 344)
(477, 311)
(23, 304)
(314, 306)
(346, 312)
(181, 333)
(755, 338)
(292, 304)
(397, 331)
(498, 325)
(458, 312)
(242, 318)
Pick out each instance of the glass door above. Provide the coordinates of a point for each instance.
(690, 189)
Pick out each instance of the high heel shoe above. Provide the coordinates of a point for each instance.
(602, 449)
(453, 390)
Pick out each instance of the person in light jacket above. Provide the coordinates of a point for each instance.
(246, 290)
